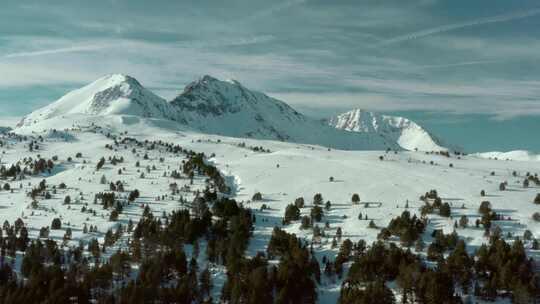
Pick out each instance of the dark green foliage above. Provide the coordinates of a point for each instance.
(445, 210)
(306, 222)
(292, 213)
(56, 224)
(510, 264)
(197, 163)
(257, 197)
(407, 228)
(317, 199)
(316, 214)
(299, 202)
(485, 208)
(133, 195)
(368, 293)
(100, 164)
(297, 270)
(382, 263)
(355, 199)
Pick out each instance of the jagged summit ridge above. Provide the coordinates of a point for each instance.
(228, 108)
(408, 134)
(210, 96)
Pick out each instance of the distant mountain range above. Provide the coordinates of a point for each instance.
(228, 108)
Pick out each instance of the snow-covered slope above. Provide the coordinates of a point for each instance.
(408, 134)
(110, 95)
(303, 171)
(218, 107)
(228, 108)
(519, 155)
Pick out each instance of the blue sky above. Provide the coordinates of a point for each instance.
(444, 63)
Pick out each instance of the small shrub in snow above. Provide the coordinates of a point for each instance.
(537, 199)
(257, 197)
(355, 199)
(56, 224)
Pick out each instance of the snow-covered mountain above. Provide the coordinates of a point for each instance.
(228, 108)
(408, 134)
(110, 95)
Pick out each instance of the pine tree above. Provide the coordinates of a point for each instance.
(299, 202)
(100, 164)
(339, 233)
(292, 213)
(316, 214)
(463, 221)
(445, 210)
(537, 199)
(317, 199)
(56, 224)
(355, 199)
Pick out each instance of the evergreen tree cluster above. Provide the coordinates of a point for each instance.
(293, 280)
(433, 202)
(407, 228)
(196, 163)
(496, 270)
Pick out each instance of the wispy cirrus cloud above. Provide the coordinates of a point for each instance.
(273, 9)
(71, 49)
(460, 25)
(304, 51)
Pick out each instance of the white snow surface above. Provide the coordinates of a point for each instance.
(408, 134)
(519, 155)
(110, 95)
(228, 108)
(208, 105)
(304, 170)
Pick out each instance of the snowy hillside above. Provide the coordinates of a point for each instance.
(281, 172)
(110, 95)
(518, 155)
(228, 108)
(406, 133)
(207, 105)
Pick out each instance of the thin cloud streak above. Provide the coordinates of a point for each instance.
(101, 45)
(456, 26)
(72, 49)
(274, 9)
